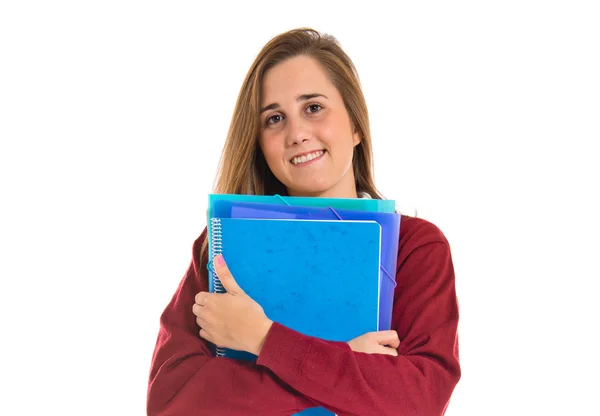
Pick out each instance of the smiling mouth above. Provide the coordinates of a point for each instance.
(301, 160)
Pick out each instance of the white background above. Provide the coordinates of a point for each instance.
(112, 119)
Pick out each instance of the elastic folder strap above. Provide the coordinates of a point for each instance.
(382, 268)
(388, 275)
(284, 201)
(335, 212)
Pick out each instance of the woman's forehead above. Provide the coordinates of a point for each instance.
(295, 77)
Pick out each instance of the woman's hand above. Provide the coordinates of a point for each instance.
(231, 320)
(380, 342)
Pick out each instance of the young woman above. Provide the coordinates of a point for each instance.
(301, 128)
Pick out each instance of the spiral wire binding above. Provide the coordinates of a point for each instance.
(216, 249)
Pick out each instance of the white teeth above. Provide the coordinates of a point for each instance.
(307, 157)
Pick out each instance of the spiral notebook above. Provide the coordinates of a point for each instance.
(320, 278)
(309, 275)
(390, 230)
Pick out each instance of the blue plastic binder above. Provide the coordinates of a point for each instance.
(390, 229)
(359, 204)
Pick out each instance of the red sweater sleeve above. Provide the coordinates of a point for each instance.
(186, 380)
(425, 314)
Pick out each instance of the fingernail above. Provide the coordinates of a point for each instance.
(219, 260)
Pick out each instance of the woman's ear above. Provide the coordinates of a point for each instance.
(355, 138)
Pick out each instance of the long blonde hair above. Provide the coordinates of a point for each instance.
(242, 166)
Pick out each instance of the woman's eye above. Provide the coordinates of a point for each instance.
(274, 119)
(314, 108)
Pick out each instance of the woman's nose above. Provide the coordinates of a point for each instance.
(298, 132)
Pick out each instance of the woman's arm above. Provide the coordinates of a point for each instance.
(420, 380)
(186, 380)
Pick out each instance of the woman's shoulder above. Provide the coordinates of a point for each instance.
(416, 232)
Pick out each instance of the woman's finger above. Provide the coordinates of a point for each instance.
(201, 298)
(389, 351)
(389, 337)
(197, 309)
(226, 277)
(205, 335)
(201, 322)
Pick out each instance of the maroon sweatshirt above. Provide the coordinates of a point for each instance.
(296, 371)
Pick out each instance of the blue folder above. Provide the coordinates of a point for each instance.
(309, 275)
(359, 204)
(390, 229)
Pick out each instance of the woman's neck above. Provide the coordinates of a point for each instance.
(327, 194)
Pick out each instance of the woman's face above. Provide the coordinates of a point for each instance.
(306, 134)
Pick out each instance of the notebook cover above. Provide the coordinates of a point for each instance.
(390, 229)
(308, 275)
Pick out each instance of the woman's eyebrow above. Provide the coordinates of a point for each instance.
(303, 97)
